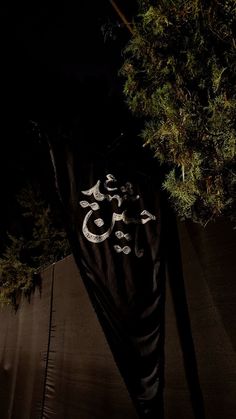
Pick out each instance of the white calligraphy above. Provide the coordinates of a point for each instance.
(128, 194)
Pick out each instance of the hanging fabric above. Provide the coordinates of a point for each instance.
(116, 225)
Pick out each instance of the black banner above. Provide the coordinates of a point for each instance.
(116, 225)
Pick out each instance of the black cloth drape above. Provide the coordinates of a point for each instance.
(116, 224)
(54, 361)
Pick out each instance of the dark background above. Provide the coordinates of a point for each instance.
(59, 69)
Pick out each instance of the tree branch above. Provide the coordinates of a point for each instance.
(122, 16)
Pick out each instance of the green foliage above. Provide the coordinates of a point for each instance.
(180, 77)
(15, 276)
(43, 243)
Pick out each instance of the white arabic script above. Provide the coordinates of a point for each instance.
(127, 194)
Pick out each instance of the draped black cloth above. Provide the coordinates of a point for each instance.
(116, 224)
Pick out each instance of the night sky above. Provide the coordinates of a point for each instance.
(57, 70)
